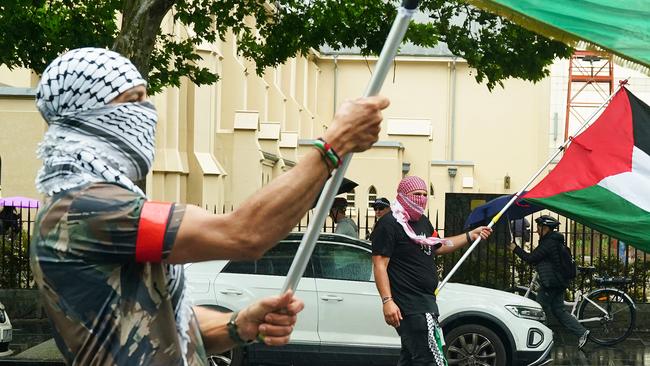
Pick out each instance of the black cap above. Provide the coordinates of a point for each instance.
(340, 202)
(381, 203)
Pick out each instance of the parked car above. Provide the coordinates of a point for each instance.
(343, 323)
(5, 332)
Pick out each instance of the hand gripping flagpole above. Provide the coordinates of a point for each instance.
(530, 181)
(388, 52)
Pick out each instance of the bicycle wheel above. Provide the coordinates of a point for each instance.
(608, 314)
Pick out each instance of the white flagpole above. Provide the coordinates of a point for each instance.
(530, 181)
(388, 52)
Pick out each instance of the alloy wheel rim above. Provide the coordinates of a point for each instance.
(472, 349)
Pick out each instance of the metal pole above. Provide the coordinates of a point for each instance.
(308, 242)
(530, 181)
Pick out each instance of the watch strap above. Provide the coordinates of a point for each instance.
(233, 332)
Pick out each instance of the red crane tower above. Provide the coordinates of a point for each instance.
(591, 82)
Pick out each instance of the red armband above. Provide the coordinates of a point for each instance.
(151, 231)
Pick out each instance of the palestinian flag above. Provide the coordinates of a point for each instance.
(603, 180)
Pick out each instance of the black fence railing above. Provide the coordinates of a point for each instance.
(365, 220)
(15, 235)
(493, 265)
(490, 265)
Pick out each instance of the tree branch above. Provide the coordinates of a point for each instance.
(141, 22)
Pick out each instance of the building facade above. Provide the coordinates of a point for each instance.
(217, 144)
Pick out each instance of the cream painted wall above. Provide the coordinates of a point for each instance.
(16, 77)
(21, 129)
(205, 175)
(504, 131)
(496, 133)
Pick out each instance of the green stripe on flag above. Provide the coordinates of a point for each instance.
(604, 211)
(621, 27)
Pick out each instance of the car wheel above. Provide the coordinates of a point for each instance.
(234, 357)
(473, 344)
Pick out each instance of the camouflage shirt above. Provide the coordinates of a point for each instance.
(106, 308)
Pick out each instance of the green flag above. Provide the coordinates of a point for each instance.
(618, 26)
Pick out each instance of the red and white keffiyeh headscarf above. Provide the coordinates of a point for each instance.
(408, 207)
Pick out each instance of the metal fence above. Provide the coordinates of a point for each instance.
(490, 265)
(493, 265)
(15, 235)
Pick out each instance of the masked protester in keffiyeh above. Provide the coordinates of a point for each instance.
(404, 250)
(409, 206)
(108, 262)
(88, 139)
(105, 307)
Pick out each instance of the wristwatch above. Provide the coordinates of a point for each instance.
(233, 332)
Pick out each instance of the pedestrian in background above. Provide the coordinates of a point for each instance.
(381, 206)
(546, 259)
(344, 224)
(404, 263)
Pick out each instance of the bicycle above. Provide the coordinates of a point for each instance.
(607, 312)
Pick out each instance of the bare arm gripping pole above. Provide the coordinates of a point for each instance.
(518, 194)
(395, 37)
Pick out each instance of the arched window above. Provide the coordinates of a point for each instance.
(351, 199)
(372, 195)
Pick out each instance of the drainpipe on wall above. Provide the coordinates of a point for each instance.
(452, 112)
(452, 121)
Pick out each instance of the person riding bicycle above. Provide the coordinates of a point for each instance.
(546, 258)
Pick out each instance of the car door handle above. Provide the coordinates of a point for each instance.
(331, 298)
(231, 291)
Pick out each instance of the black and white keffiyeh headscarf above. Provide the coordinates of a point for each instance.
(89, 140)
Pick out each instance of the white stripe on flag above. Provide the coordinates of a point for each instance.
(632, 186)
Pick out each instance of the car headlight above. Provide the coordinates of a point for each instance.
(527, 312)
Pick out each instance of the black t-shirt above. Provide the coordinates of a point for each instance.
(412, 267)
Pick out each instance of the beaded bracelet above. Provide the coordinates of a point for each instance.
(328, 151)
(333, 152)
(326, 161)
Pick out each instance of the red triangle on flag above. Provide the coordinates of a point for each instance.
(602, 150)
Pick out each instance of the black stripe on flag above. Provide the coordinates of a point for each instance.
(640, 122)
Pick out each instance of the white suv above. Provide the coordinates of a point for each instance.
(343, 323)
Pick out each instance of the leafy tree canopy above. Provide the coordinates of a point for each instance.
(33, 32)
